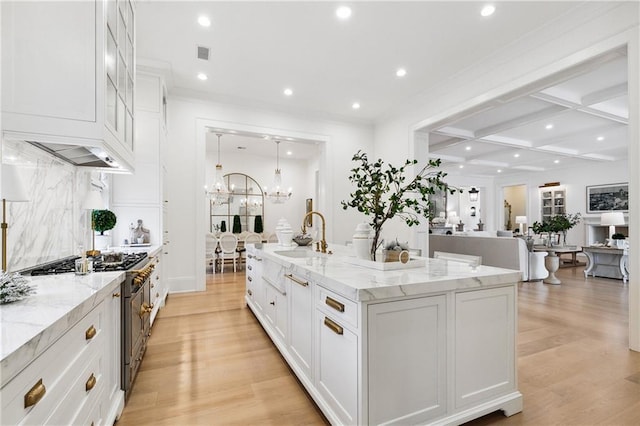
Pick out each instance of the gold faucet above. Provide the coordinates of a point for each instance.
(323, 242)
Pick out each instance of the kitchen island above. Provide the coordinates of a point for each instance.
(428, 345)
(60, 353)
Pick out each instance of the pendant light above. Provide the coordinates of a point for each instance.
(473, 194)
(277, 194)
(218, 192)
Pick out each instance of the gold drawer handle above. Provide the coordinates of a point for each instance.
(296, 280)
(90, 333)
(35, 394)
(333, 326)
(249, 279)
(249, 292)
(334, 304)
(90, 383)
(114, 295)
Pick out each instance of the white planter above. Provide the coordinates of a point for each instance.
(102, 242)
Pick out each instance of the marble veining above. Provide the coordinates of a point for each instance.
(363, 284)
(50, 225)
(31, 325)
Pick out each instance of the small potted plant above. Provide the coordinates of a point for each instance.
(102, 220)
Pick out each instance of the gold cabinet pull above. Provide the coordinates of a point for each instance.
(90, 333)
(35, 394)
(334, 304)
(90, 383)
(296, 280)
(249, 279)
(333, 326)
(249, 292)
(114, 295)
(272, 303)
(249, 267)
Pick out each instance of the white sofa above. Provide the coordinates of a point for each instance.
(501, 252)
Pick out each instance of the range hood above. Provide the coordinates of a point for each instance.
(81, 156)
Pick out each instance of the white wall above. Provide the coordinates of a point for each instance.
(186, 177)
(594, 29)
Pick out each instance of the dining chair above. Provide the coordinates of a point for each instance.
(210, 251)
(228, 250)
(272, 238)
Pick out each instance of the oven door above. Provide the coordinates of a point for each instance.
(136, 338)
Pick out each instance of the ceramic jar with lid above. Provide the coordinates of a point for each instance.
(362, 240)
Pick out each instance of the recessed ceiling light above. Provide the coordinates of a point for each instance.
(288, 92)
(204, 21)
(343, 12)
(461, 166)
(355, 105)
(549, 126)
(232, 131)
(499, 170)
(266, 137)
(488, 10)
(202, 76)
(468, 148)
(401, 72)
(289, 139)
(289, 153)
(516, 155)
(600, 138)
(556, 161)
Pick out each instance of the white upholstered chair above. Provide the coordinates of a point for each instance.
(210, 254)
(228, 250)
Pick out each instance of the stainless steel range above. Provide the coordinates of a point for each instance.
(136, 304)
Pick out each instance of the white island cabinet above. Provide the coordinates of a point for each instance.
(430, 345)
(61, 352)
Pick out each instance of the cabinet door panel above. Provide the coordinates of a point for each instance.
(38, 59)
(300, 339)
(337, 368)
(414, 331)
(484, 344)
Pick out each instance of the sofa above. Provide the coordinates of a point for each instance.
(502, 252)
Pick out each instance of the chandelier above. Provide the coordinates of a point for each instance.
(277, 194)
(218, 192)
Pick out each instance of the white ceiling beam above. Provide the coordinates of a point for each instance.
(604, 94)
(578, 107)
(520, 121)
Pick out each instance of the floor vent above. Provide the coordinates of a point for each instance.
(203, 53)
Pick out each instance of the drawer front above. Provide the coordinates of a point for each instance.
(58, 368)
(274, 274)
(338, 307)
(83, 393)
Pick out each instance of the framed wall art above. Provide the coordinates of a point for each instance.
(609, 197)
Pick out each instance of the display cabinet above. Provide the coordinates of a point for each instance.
(552, 202)
(246, 201)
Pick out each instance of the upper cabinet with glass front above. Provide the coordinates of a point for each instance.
(68, 74)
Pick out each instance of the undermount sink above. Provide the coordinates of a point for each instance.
(298, 254)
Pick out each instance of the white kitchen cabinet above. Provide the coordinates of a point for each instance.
(337, 367)
(158, 286)
(485, 326)
(255, 289)
(78, 88)
(77, 377)
(301, 322)
(415, 331)
(275, 309)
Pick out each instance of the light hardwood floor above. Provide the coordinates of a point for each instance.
(209, 362)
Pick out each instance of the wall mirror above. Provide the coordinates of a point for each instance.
(246, 201)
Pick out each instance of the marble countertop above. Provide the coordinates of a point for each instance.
(366, 284)
(31, 325)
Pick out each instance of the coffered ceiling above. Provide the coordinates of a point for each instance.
(576, 119)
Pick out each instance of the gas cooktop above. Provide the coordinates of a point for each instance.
(68, 265)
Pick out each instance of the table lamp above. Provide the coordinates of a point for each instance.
(12, 190)
(93, 201)
(611, 219)
(521, 220)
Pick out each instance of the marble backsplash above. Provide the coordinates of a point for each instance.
(51, 225)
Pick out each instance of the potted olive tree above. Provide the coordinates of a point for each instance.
(384, 191)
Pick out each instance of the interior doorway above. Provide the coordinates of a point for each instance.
(514, 210)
